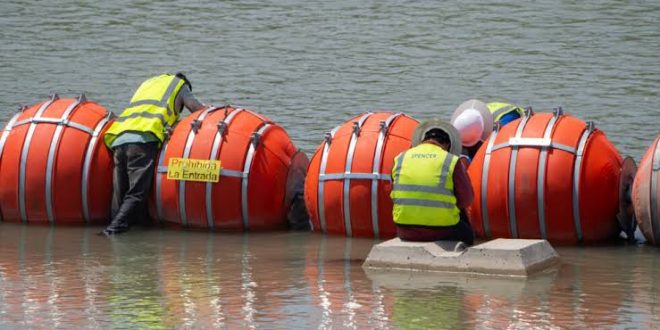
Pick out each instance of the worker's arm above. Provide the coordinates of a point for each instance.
(462, 186)
(187, 99)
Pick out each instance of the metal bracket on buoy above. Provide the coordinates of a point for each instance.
(82, 97)
(529, 111)
(108, 116)
(195, 125)
(356, 128)
(222, 128)
(591, 126)
(328, 137)
(577, 170)
(383, 127)
(497, 126)
(558, 111)
(168, 132)
(255, 139)
(54, 96)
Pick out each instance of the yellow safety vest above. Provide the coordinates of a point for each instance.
(423, 187)
(151, 109)
(500, 109)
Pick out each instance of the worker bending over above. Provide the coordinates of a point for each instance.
(135, 138)
(474, 121)
(431, 188)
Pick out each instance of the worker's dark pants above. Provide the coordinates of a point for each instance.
(462, 231)
(132, 179)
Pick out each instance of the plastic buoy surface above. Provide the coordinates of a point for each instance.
(347, 189)
(646, 200)
(547, 175)
(54, 167)
(255, 156)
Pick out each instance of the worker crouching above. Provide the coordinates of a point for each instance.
(431, 187)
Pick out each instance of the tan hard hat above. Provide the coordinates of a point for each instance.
(473, 121)
(425, 126)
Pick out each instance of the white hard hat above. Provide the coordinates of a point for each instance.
(473, 121)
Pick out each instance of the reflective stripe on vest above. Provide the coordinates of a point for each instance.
(500, 109)
(423, 187)
(151, 109)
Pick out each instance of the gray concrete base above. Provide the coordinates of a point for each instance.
(512, 257)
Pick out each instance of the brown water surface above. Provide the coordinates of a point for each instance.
(68, 278)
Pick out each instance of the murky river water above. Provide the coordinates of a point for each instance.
(310, 66)
(71, 278)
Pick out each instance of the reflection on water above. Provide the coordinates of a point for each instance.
(71, 278)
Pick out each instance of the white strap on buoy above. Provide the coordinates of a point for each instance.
(512, 179)
(577, 171)
(484, 181)
(196, 124)
(24, 154)
(249, 158)
(87, 164)
(655, 168)
(223, 127)
(51, 155)
(540, 177)
(321, 189)
(380, 148)
(6, 131)
(160, 171)
(355, 135)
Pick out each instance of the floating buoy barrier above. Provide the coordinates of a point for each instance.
(247, 189)
(347, 189)
(646, 199)
(54, 167)
(551, 176)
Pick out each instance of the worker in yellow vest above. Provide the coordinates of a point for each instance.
(504, 113)
(135, 138)
(431, 188)
(474, 121)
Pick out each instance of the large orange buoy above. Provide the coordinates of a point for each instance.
(347, 190)
(53, 166)
(646, 199)
(255, 156)
(548, 175)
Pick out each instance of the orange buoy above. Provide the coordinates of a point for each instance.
(53, 168)
(347, 189)
(547, 175)
(646, 199)
(255, 156)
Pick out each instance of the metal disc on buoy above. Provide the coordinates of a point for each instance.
(645, 196)
(626, 215)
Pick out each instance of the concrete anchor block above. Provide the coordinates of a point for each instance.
(509, 257)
